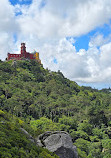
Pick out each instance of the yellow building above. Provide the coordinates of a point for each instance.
(36, 55)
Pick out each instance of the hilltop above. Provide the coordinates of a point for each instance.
(46, 100)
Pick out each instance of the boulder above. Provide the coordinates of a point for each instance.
(58, 142)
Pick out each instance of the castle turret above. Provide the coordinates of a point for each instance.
(36, 55)
(23, 50)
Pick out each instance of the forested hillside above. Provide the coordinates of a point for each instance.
(41, 100)
(14, 143)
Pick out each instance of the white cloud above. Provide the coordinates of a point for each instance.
(105, 56)
(64, 18)
(91, 66)
(45, 26)
(4, 39)
(8, 27)
(7, 18)
(98, 40)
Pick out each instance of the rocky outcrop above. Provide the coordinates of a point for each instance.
(58, 142)
(28, 135)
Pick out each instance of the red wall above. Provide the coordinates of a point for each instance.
(19, 56)
(14, 56)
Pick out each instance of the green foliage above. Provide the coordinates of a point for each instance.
(2, 113)
(106, 144)
(95, 150)
(83, 145)
(41, 100)
(13, 143)
(44, 124)
(68, 121)
(44, 154)
(85, 126)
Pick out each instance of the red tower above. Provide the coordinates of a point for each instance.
(23, 50)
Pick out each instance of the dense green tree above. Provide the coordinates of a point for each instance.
(48, 101)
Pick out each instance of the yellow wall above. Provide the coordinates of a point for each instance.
(37, 57)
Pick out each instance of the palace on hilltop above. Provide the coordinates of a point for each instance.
(24, 55)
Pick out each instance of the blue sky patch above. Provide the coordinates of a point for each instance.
(21, 2)
(105, 30)
(42, 4)
(82, 42)
(15, 37)
(55, 61)
(18, 13)
(95, 85)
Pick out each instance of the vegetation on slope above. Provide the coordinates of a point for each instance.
(14, 143)
(48, 101)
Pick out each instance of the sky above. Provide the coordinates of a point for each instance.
(73, 36)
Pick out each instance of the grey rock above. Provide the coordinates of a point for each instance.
(28, 135)
(58, 142)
